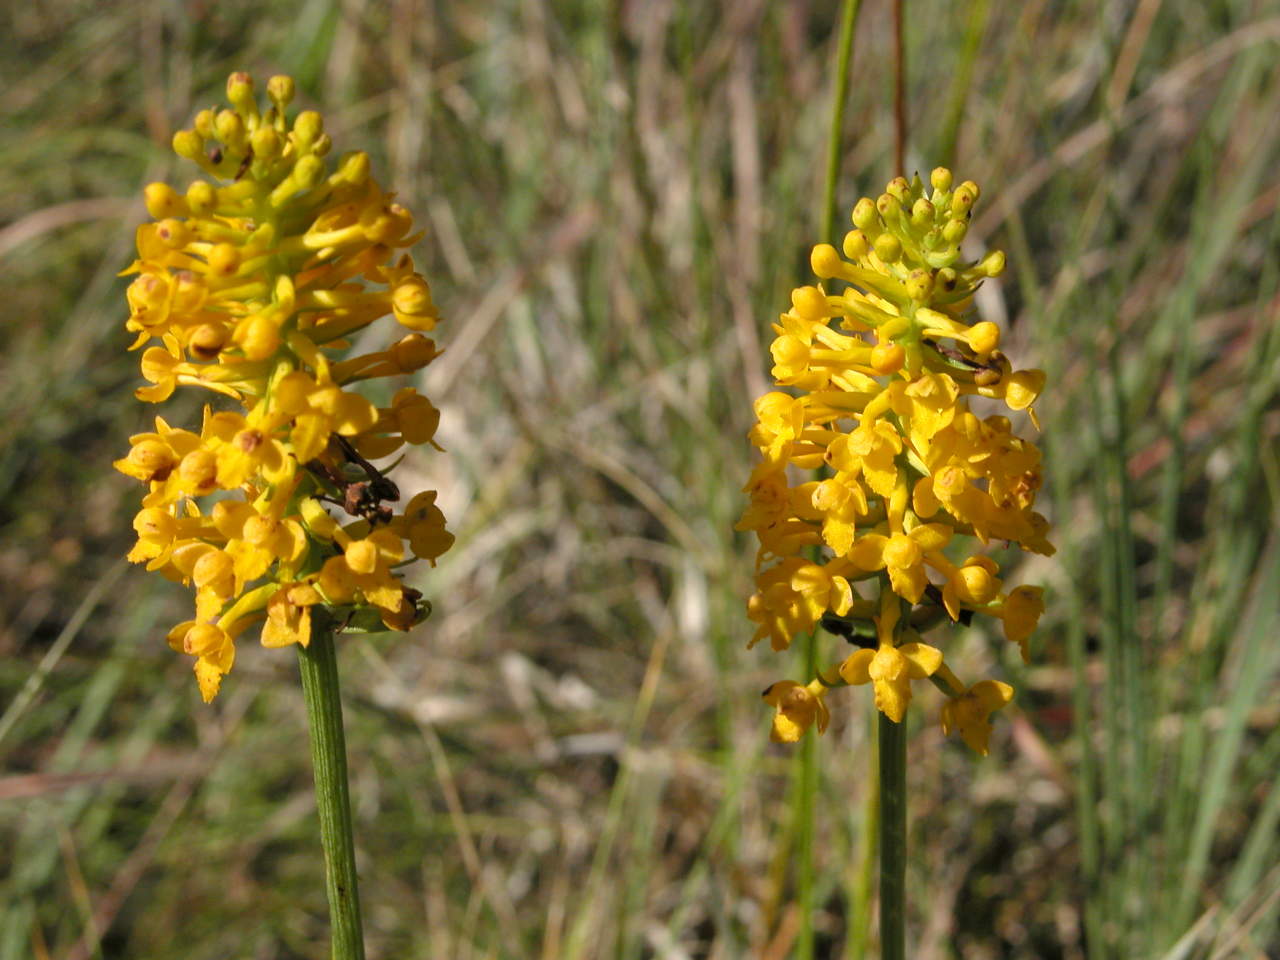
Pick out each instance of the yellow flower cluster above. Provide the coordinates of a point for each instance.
(251, 284)
(881, 375)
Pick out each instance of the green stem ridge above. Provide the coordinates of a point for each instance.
(893, 837)
(319, 667)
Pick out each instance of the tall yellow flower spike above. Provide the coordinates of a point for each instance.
(880, 365)
(251, 282)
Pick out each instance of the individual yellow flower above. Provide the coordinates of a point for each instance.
(889, 668)
(1021, 612)
(247, 285)
(902, 555)
(799, 707)
(879, 363)
(970, 712)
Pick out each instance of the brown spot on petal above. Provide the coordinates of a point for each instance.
(249, 440)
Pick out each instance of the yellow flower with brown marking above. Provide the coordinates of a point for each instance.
(878, 364)
(248, 284)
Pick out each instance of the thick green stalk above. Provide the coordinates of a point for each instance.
(319, 666)
(893, 838)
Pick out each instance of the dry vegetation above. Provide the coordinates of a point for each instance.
(569, 760)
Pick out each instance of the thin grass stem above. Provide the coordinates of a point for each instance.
(839, 98)
(899, 91)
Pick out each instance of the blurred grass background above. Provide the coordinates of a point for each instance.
(570, 759)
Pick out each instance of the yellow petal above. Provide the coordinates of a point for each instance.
(892, 698)
(868, 552)
(992, 694)
(841, 596)
(856, 668)
(908, 582)
(208, 678)
(931, 536)
(923, 659)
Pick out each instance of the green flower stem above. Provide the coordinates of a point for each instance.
(893, 837)
(319, 666)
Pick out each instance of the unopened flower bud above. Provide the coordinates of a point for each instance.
(992, 264)
(187, 144)
(826, 263)
(208, 339)
(413, 353)
(955, 231)
(280, 90)
(202, 198)
(887, 357)
(306, 128)
(240, 93)
(866, 218)
(163, 201)
(810, 303)
(224, 259)
(984, 337)
(203, 124)
(888, 248)
(308, 172)
(963, 199)
(266, 143)
(258, 336)
(855, 245)
(920, 285)
(229, 128)
(898, 188)
(889, 206)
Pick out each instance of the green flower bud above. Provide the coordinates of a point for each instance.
(963, 199)
(888, 248)
(867, 219)
(955, 230)
(888, 206)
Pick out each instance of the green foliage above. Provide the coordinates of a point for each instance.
(569, 760)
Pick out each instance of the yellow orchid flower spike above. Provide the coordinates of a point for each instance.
(248, 284)
(875, 367)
